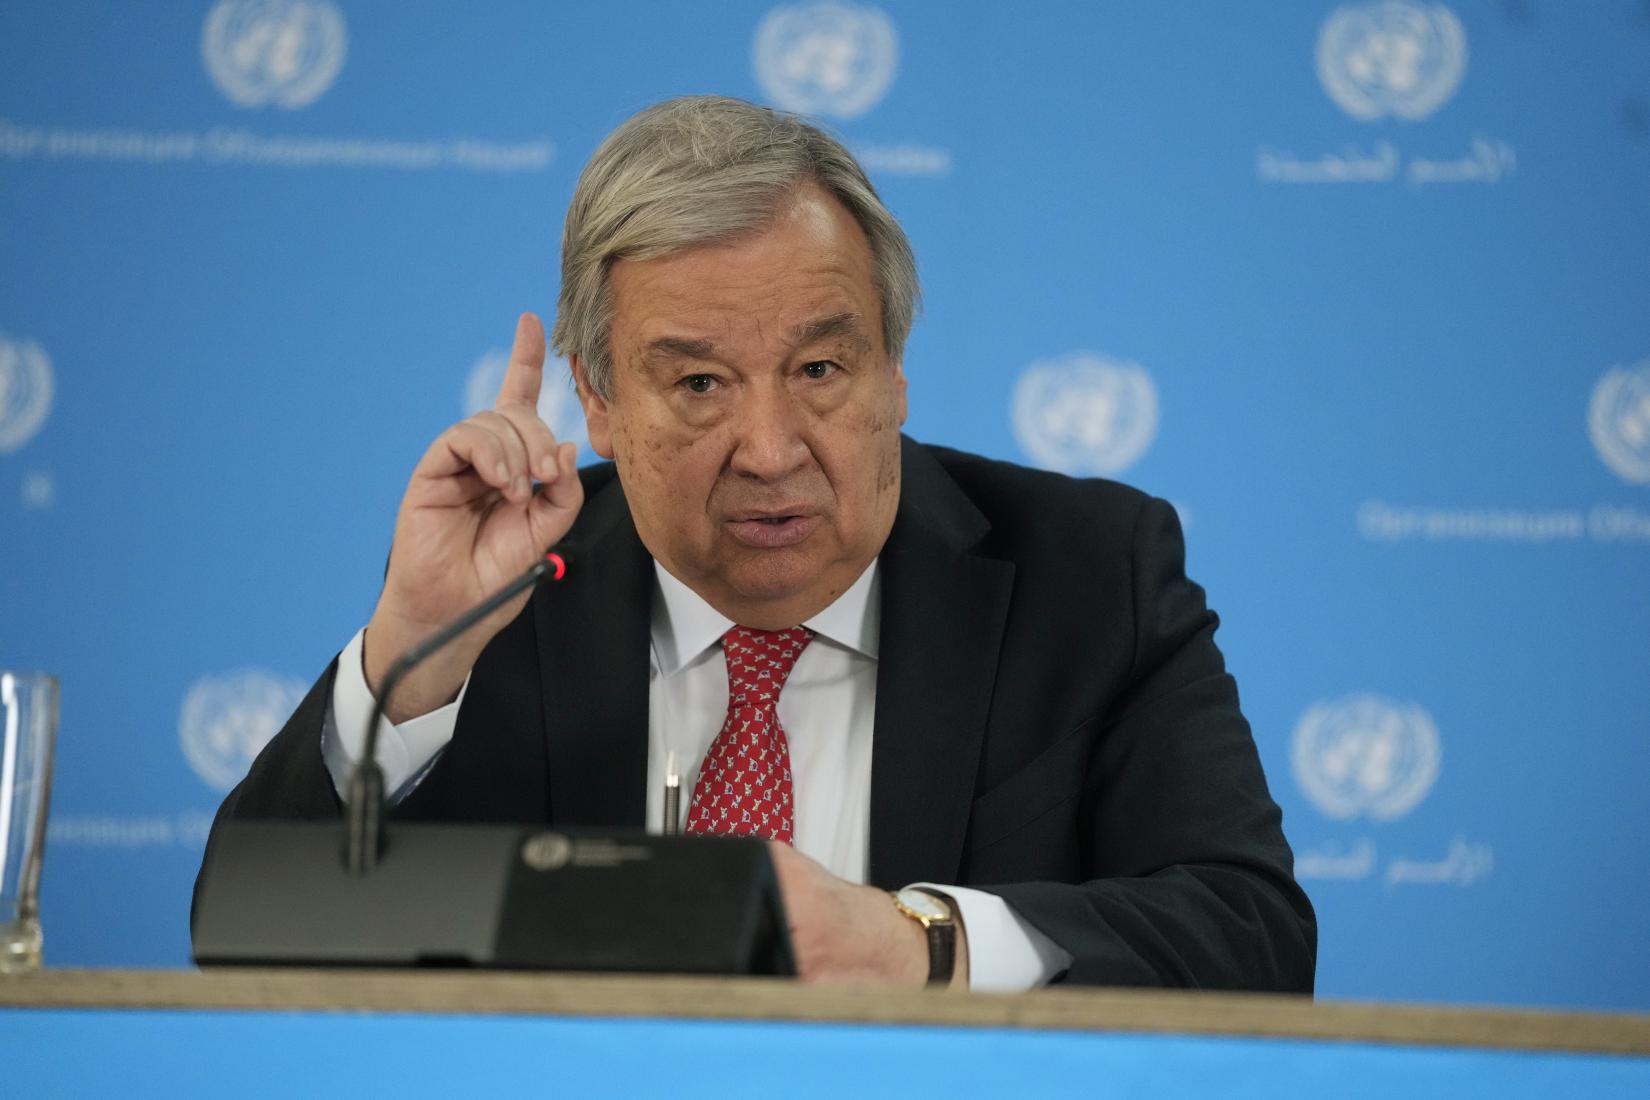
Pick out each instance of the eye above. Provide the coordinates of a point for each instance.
(820, 368)
(698, 383)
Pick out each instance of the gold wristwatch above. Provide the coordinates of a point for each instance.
(936, 914)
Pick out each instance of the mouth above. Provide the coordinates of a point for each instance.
(773, 530)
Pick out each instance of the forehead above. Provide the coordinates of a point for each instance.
(798, 277)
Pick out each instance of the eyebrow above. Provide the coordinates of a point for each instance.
(826, 328)
(845, 324)
(679, 347)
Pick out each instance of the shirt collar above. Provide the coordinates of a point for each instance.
(684, 625)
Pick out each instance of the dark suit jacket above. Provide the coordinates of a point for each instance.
(1053, 723)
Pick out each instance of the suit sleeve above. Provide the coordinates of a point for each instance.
(1188, 878)
(289, 778)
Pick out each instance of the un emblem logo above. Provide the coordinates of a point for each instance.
(1618, 420)
(26, 388)
(827, 58)
(285, 52)
(1085, 414)
(1365, 754)
(1391, 57)
(558, 402)
(226, 720)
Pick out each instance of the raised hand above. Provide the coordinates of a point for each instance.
(470, 522)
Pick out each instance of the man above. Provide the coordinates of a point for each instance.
(907, 666)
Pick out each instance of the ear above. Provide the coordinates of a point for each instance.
(899, 381)
(598, 416)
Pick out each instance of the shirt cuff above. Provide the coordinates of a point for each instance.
(405, 751)
(1005, 953)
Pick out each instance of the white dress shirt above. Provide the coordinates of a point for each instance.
(826, 708)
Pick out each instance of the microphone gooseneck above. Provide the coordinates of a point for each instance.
(364, 801)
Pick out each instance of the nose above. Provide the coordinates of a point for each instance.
(768, 426)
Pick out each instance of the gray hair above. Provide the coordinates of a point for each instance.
(701, 170)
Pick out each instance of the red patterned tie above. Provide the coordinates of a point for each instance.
(744, 786)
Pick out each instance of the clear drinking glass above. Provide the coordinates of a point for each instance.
(28, 728)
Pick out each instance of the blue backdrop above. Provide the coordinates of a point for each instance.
(1363, 288)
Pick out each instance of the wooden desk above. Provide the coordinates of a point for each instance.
(288, 1032)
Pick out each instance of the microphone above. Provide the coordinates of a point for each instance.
(364, 804)
(508, 895)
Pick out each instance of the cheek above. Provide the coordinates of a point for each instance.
(885, 441)
(868, 445)
(888, 471)
(672, 471)
(646, 435)
(879, 444)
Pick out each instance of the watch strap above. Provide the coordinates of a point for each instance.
(942, 941)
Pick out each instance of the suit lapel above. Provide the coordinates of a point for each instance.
(593, 640)
(943, 611)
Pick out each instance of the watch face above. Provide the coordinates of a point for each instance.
(924, 903)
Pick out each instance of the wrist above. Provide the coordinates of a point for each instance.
(891, 947)
(435, 683)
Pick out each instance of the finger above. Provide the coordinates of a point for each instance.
(525, 374)
(566, 491)
(536, 437)
(472, 445)
(516, 457)
(558, 502)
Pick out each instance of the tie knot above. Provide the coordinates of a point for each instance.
(759, 661)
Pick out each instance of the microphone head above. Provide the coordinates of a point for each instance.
(557, 558)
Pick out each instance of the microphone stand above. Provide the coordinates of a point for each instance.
(364, 806)
(276, 893)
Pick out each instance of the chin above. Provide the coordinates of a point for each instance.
(773, 584)
(776, 576)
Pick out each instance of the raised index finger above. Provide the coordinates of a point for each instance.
(526, 371)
